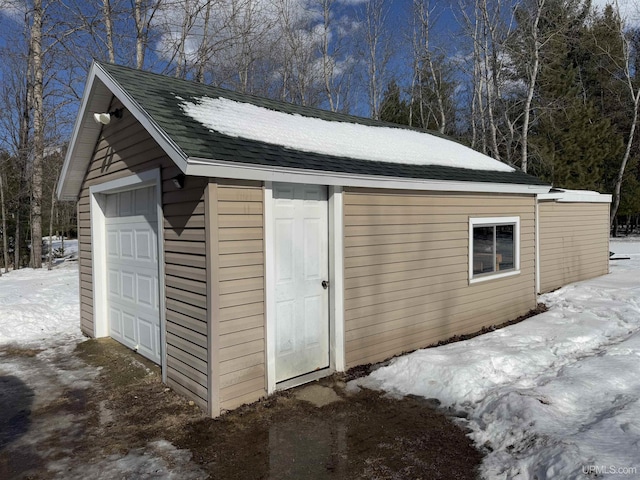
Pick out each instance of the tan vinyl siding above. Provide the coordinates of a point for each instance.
(124, 148)
(574, 242)
(406, 257)
(239, 277)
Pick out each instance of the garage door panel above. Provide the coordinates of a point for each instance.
(115, 321)
(126, 245)
(112, 244)
(146, 334)
(129, 327)
(114, 283)
(144, 246)
(132, 265)
(128, 282)
(145, 290)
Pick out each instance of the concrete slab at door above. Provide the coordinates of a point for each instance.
(132, 270)
(301, 265)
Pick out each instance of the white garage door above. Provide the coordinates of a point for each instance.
(132, 270)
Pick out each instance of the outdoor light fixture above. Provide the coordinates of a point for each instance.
(105, 118)
(178, 180)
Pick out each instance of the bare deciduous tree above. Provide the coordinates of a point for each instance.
(377, 44)
(108, 25)
(634, 94)
(5, 236)
(424, 65)
(143, 14)
(203, 48)
(487, 24)
(532, 70)
(38, 134)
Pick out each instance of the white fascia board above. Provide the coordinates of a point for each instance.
(571, 197)
(78, 128)
(247, 171)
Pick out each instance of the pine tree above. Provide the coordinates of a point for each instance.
(574, 141)
(393, 108)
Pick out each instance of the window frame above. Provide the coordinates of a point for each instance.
(495, 222)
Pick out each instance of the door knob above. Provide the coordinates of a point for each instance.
(325, 284)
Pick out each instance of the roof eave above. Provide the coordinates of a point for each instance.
(96, 97)
(245, 171)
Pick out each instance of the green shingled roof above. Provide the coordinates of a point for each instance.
(160, 97)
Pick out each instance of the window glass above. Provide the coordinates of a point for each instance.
(505, 253)
(493, 246)
(483, 249)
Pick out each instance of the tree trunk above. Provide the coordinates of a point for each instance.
(424, 61)
(108, 25)
(138, 16)
(181, 64)
(488, 72)
(53, 205)
(204, 45)
(5, 243)
(327, 61)
(625, 159)
(16, 241)
(23, 157)
(533, 78)
(38, 135)
(377, 52)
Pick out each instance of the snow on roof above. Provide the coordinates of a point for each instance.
(574, 196)
(340, 139)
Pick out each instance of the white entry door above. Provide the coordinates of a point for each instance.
(301, 266)
(133, 311)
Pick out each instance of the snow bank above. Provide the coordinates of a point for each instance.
(38, 306)
(341, 139)
(556, 396)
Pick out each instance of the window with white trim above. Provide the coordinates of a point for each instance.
(494, 247)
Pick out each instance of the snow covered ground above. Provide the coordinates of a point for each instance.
(555, 396)
(40, 305)
(39, 309)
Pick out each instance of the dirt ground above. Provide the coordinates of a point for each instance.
(100, 411)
